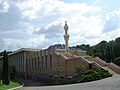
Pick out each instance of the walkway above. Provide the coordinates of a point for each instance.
(112, 83)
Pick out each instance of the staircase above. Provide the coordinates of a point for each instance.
(112, 68)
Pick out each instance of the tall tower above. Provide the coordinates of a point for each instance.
(66, 37)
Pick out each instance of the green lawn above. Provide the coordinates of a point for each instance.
(11, 85)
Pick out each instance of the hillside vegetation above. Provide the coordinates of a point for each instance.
(107, 51)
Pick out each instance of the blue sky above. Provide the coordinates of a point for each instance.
(39, 23)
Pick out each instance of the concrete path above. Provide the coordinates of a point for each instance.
(112, 83)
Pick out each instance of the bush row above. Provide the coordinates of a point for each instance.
(91, 75)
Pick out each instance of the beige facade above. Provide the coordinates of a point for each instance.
(48, 63)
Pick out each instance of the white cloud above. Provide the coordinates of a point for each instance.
(2, 44)
(114, 13)
(110, 35)
(84, 29)
(30, 8)
(39, 23)
(113, 21)
(31, 15)
(4, 6)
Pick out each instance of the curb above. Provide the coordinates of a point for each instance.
(15, 88)
(22, 84)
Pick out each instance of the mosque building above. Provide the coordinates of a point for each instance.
(55, 62)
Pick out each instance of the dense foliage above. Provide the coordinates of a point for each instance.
(0, 75)
(117, 61)
(79, 68)
(8, 52)
(108, 51)
(82, 47)
(5, 69)
(91, 75)
(13, 72)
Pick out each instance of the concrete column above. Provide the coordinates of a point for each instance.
(35, 56)
(25, 63)
(20, 62)
(40, 63)
(30, 62)
(44, 60)
(49, 60)
(34, 62)
(17, 61)
(38, 60)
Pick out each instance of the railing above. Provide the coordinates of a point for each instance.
(98, 66)
(114, 67)
(99, 61)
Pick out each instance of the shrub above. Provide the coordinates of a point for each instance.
(79, 68)
(13, 72)
(91, 75)
(0, 75)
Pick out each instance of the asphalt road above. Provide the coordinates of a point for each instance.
(112, 83)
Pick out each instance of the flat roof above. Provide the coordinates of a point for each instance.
(24, 49)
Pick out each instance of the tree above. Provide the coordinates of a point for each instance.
(5, 70)
(83, 46)
(13, 72)
(117, 47)
(8, 52)
(117, 61)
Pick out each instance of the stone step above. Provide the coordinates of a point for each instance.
(110, 70)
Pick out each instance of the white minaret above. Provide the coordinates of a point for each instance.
(66, 37)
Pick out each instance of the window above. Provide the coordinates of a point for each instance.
(51, 76)
(69, 77)
(62, 77)
(56, 76)
(56, 69)
(61, 69)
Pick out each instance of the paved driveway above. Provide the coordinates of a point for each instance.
(29, 82)
(112, 83)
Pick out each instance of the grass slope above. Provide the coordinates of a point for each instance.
(12, 84)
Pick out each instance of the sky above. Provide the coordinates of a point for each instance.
(39, 23)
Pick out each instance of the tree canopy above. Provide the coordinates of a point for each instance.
(108, 51)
